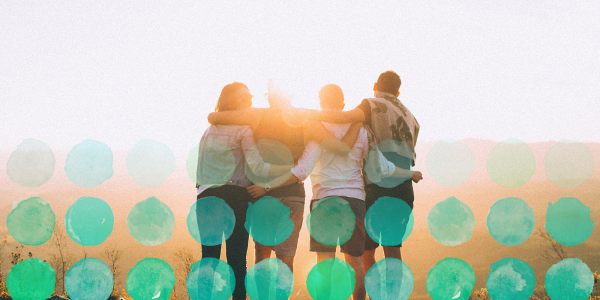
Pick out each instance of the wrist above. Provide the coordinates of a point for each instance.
(267, 187)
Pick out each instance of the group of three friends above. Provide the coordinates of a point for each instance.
(330, 145)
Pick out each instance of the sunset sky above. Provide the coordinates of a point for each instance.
(121, 71)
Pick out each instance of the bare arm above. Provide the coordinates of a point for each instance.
(258, 190)
(248, 116)
(337, 116)
(314, 130)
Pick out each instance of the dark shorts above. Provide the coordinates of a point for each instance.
(403, 191)
(355, 246)
(289, 246)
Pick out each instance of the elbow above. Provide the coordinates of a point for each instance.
(212, 119)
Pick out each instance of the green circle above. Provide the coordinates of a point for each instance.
(331, 221)
(569, 279)
(569, 164)
(450, 163)
(215, 166)
(273, 152)
(389, 278)
(398, 153)
(191, 163)
(151, 222)
(450, 278)
(31, 279)
(268, 221)
(451, 222)
(210, 221)
(210, 278)
(31, 221)
(510, 278)
(150, 163)
(510, 163)
(31, 164)
(331, 279)
(568, 221)
(510, 221)
(389, 221)
(89, 164)
(269, 277)
(150, 278)
(89, 221)
(89, 278)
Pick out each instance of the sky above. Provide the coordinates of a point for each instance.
(122, 71)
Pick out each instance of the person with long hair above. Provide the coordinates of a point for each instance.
(223, 153)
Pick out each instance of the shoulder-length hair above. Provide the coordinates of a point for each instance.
(227, 97)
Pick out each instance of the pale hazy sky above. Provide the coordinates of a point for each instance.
(121, 71)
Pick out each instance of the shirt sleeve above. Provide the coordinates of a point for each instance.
(308, 161)
(365, 106)
(256, 163)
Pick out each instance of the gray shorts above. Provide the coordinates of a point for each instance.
(355, 246)
(289, 246)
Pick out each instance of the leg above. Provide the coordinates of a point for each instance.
(286, 250)
(321, 256)
(237, 247)
(368, 259)
(261, 252)
(288, 260)
(392, 252)
(356, 263)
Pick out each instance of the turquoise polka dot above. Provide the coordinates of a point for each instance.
(89, 164)
(450, 278)
(510, 278)
(210, 278)
(451, 222)
(191, 163)
(89, 278)
(150, 278)
(450, 163)
(269, 279)
(210, 221)
(215, 166)
(31, 221)
(273, 152)
(389, 221)
(150, 163)
(510, 163)
(151, 222)
(89, 221)
(331, 221)
(31, 279)
(268, 221)
(510, 221)
(569, 164)
(331, 279)
(568, 221)
(569, 279)
(394, 151)
(389, 278)
(31, 164)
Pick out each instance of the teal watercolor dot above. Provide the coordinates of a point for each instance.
(151, 222)
(191, 163)
(89, 221)
(31, 279)
(150, 163)
(389, 221)
(331, 279)
(568, 221)
(31, 164)
(394, 151)
(210, 279)
(569, 164)
(89, 278)
(389, 278)
(215, 166)
(450, 163)
(273, 152)
(510, 278)
(450, 278)
(31, 221)
(150, 278)
(269, 279)
(268, 221)
(510, 221)
(210, 221)
(89, 164)
(569, 279)
(451, 222)
(510, 163)
(331, 221)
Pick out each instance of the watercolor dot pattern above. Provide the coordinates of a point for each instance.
(271, 151)
(210, 278)
(389, 221)
(450, 278)
(151, 222)
(510, 221)
(450, 163)
(150, 163)
(31, 221)
(393, 151)
(150, 278)
(510, 163)
(210, 221)
(331, 279)
(31, 164)
(31, 279)
(569, 279)
(89, 164)
(389, 278)
(568, 221)
(331, 221)
(451, 222)
(89, 278)
(268, 221)
(89, 221)
(269, 279)
(510, 278)
(569, 164)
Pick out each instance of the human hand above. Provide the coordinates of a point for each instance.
(256, 191)
(417, 176)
